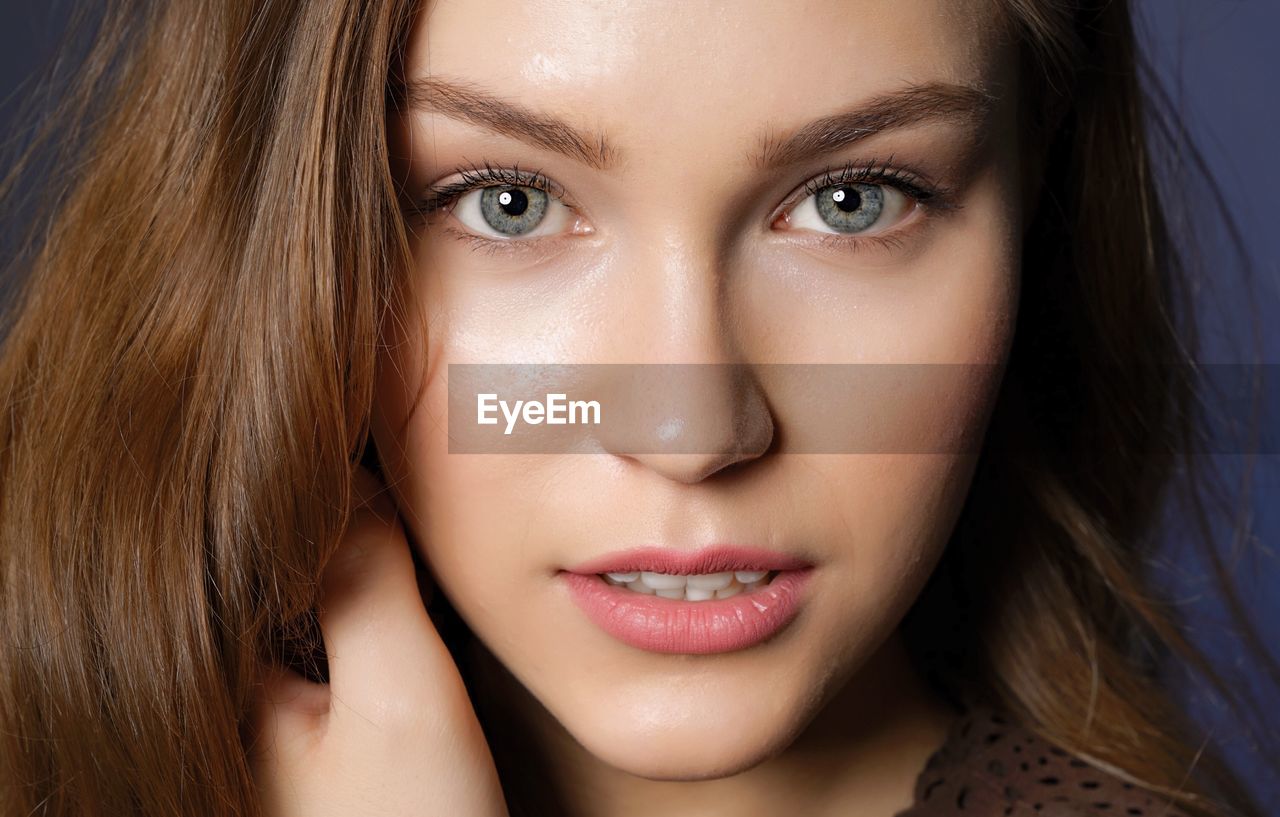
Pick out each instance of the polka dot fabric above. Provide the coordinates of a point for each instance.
(989, 766)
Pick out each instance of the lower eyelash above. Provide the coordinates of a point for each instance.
(846, 243)
(496, 246)
(854, 243)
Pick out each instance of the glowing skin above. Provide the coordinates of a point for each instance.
(680, 253)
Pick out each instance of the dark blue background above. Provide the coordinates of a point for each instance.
(1221, 60)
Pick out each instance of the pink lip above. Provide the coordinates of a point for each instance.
(666, 625)
(708, 560)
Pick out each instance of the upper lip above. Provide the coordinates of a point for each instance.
(717, 559)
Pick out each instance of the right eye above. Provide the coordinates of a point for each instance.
(851, 208)
(511, 211)
(499, 205)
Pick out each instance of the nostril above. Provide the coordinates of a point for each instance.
(688, 422)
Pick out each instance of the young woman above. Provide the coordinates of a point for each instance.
(229, 431)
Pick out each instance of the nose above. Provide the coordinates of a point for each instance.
(700, 419)
(690, 408)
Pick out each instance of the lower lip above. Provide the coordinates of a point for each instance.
(664, 625)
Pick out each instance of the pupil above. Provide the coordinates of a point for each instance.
(513, 201)
(847, 199)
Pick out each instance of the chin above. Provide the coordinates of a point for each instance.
(668, 732)
(683, 754)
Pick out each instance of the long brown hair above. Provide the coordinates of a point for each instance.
(188, 368)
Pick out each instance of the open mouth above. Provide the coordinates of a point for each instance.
(690, 612)
(691, 587)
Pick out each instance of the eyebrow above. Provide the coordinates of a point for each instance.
(966, 105)
(913, 105)
(467, 103)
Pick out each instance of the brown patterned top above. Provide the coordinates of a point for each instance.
(989, 766)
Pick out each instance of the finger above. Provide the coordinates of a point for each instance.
(382, 648)
(368, 492)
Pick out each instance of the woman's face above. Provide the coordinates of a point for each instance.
(824, 182)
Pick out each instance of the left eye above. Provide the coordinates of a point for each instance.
(851, 207)
(510, 211)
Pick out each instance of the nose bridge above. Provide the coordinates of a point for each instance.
(680, 277)
(690, 407)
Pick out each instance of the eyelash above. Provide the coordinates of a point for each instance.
(474, 177)
(928, 195)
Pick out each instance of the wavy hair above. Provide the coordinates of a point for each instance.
(187, 368)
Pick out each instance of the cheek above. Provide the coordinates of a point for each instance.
(465, 511)
(891, 515)
(886, 520)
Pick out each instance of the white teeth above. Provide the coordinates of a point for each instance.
(699, 587)
(710, 581)
(663, 581)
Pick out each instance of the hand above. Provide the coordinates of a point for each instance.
(393, 733)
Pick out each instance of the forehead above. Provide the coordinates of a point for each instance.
(689, 65)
